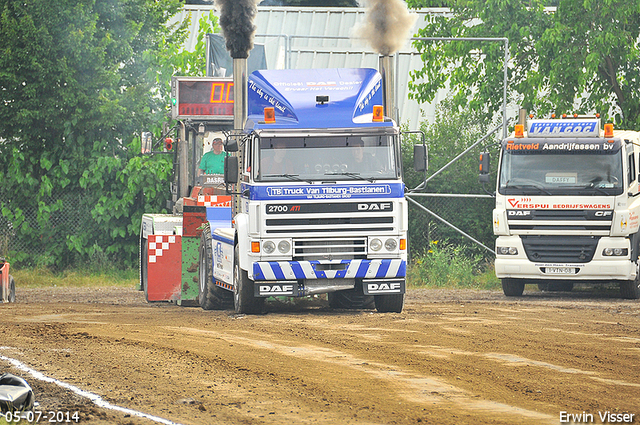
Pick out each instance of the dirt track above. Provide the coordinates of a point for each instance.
(452, 357)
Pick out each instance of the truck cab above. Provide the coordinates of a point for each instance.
(312, 199)
(567, 206)
(319, 200)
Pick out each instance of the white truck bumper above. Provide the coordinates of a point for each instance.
(599, 268)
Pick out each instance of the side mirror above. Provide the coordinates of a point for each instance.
(420, 158)
(231, 144)
(231, 169)
(146, 142)
(484, 167)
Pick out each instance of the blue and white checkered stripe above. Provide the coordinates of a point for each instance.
(367, 269)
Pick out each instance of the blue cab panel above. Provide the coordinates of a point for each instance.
(351, 92)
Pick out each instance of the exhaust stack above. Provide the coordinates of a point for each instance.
(386, 27)
(240, 98)
(388, 88)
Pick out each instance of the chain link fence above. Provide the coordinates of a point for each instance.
(30, 229)
(455, 219)
(462, 220)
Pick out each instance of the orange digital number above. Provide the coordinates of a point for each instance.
(217, 92)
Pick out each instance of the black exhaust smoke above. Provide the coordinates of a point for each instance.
(236, 21)
(387, 25)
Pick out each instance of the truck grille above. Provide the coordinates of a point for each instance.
(549, 221)
(331, 230)
(338, 224)
(559, 249)
(329, 249)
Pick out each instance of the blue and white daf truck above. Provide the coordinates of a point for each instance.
(318, 201)
(567, 206)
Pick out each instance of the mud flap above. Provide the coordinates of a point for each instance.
(383, 286)
(15, 394)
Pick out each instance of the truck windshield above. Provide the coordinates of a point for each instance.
(566, 173)
(327, 158)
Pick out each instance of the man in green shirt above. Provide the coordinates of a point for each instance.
(212, 162)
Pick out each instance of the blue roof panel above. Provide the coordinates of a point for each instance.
(352, 92)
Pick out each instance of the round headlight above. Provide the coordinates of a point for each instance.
(268, 247)
(390, 244)
(503, 250)
(375, 244)
(284, 246)
(513, 250)
(608, 251)
(617, 251)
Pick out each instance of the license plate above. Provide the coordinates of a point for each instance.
(559, 270)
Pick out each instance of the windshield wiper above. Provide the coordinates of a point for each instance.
(527, 186)
(586, 187)
(294, 177)
(355, 176)
(598, 188)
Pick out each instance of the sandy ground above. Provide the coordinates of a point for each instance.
(452, 357)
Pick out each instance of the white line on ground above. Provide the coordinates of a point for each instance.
(96, 399)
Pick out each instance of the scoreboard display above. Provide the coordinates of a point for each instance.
(201, 98)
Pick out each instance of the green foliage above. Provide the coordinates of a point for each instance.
(78, 82)
(443, 265)
(177, 61)
(582, 58)
(451, 134)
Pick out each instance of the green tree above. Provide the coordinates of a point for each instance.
(582, 57)
(78, 81)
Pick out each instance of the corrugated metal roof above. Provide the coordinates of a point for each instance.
(301, 38)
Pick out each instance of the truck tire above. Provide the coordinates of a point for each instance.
(244, 300)
(630, 289)
(392, 303)
(512, 287)
(12, 290)
(210, 296)
(351, 299)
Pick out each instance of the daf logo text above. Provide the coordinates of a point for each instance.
(375, 206)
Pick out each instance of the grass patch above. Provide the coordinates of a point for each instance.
(448, 266)
(43, 278)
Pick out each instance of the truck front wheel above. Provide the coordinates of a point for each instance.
(351, 298)
(630, 289)
(243, 290)
(210, 296)
(392, 303)
(512, 287)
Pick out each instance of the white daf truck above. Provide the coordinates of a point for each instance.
(567, 206)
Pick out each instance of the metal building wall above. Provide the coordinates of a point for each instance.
(301, 38)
